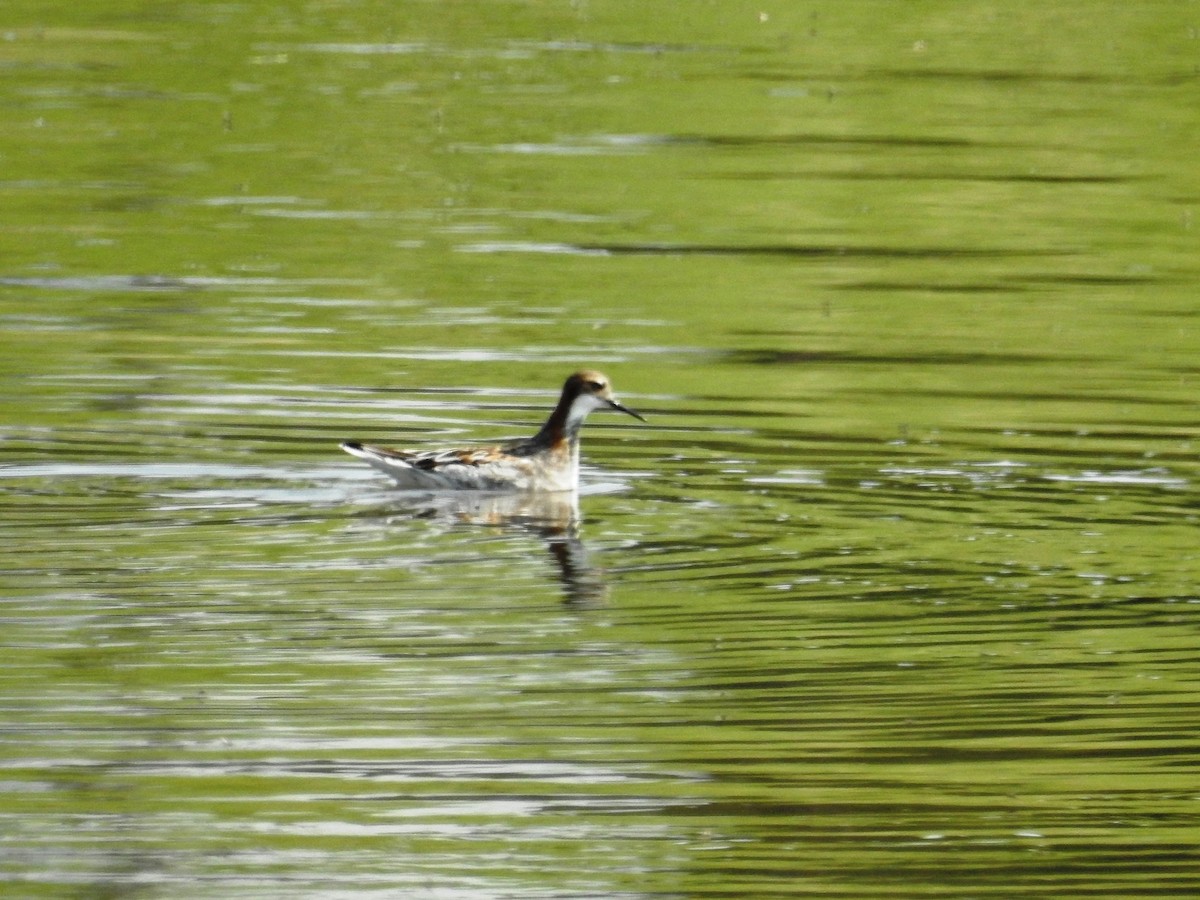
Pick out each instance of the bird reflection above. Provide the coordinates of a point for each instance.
(552, 517)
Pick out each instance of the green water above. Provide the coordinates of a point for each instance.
(895, 595)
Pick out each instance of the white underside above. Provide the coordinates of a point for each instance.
(501, 475)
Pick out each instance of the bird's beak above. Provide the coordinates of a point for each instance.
(613, 404)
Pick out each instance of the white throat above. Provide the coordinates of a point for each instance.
(580, 407)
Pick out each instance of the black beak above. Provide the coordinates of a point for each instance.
(625, 409)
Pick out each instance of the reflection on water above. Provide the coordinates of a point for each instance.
(552, 518)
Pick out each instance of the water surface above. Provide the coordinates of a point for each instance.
(895, 595)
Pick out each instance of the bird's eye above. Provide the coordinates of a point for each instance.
(596, 385)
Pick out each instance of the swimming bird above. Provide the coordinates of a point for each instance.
(548, 461)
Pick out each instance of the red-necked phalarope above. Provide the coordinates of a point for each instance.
(548, 461)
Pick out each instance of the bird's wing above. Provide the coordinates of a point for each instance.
(425, 460)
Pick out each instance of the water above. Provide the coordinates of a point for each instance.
(895, 595)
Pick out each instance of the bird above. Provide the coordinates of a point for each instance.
(548, 461)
